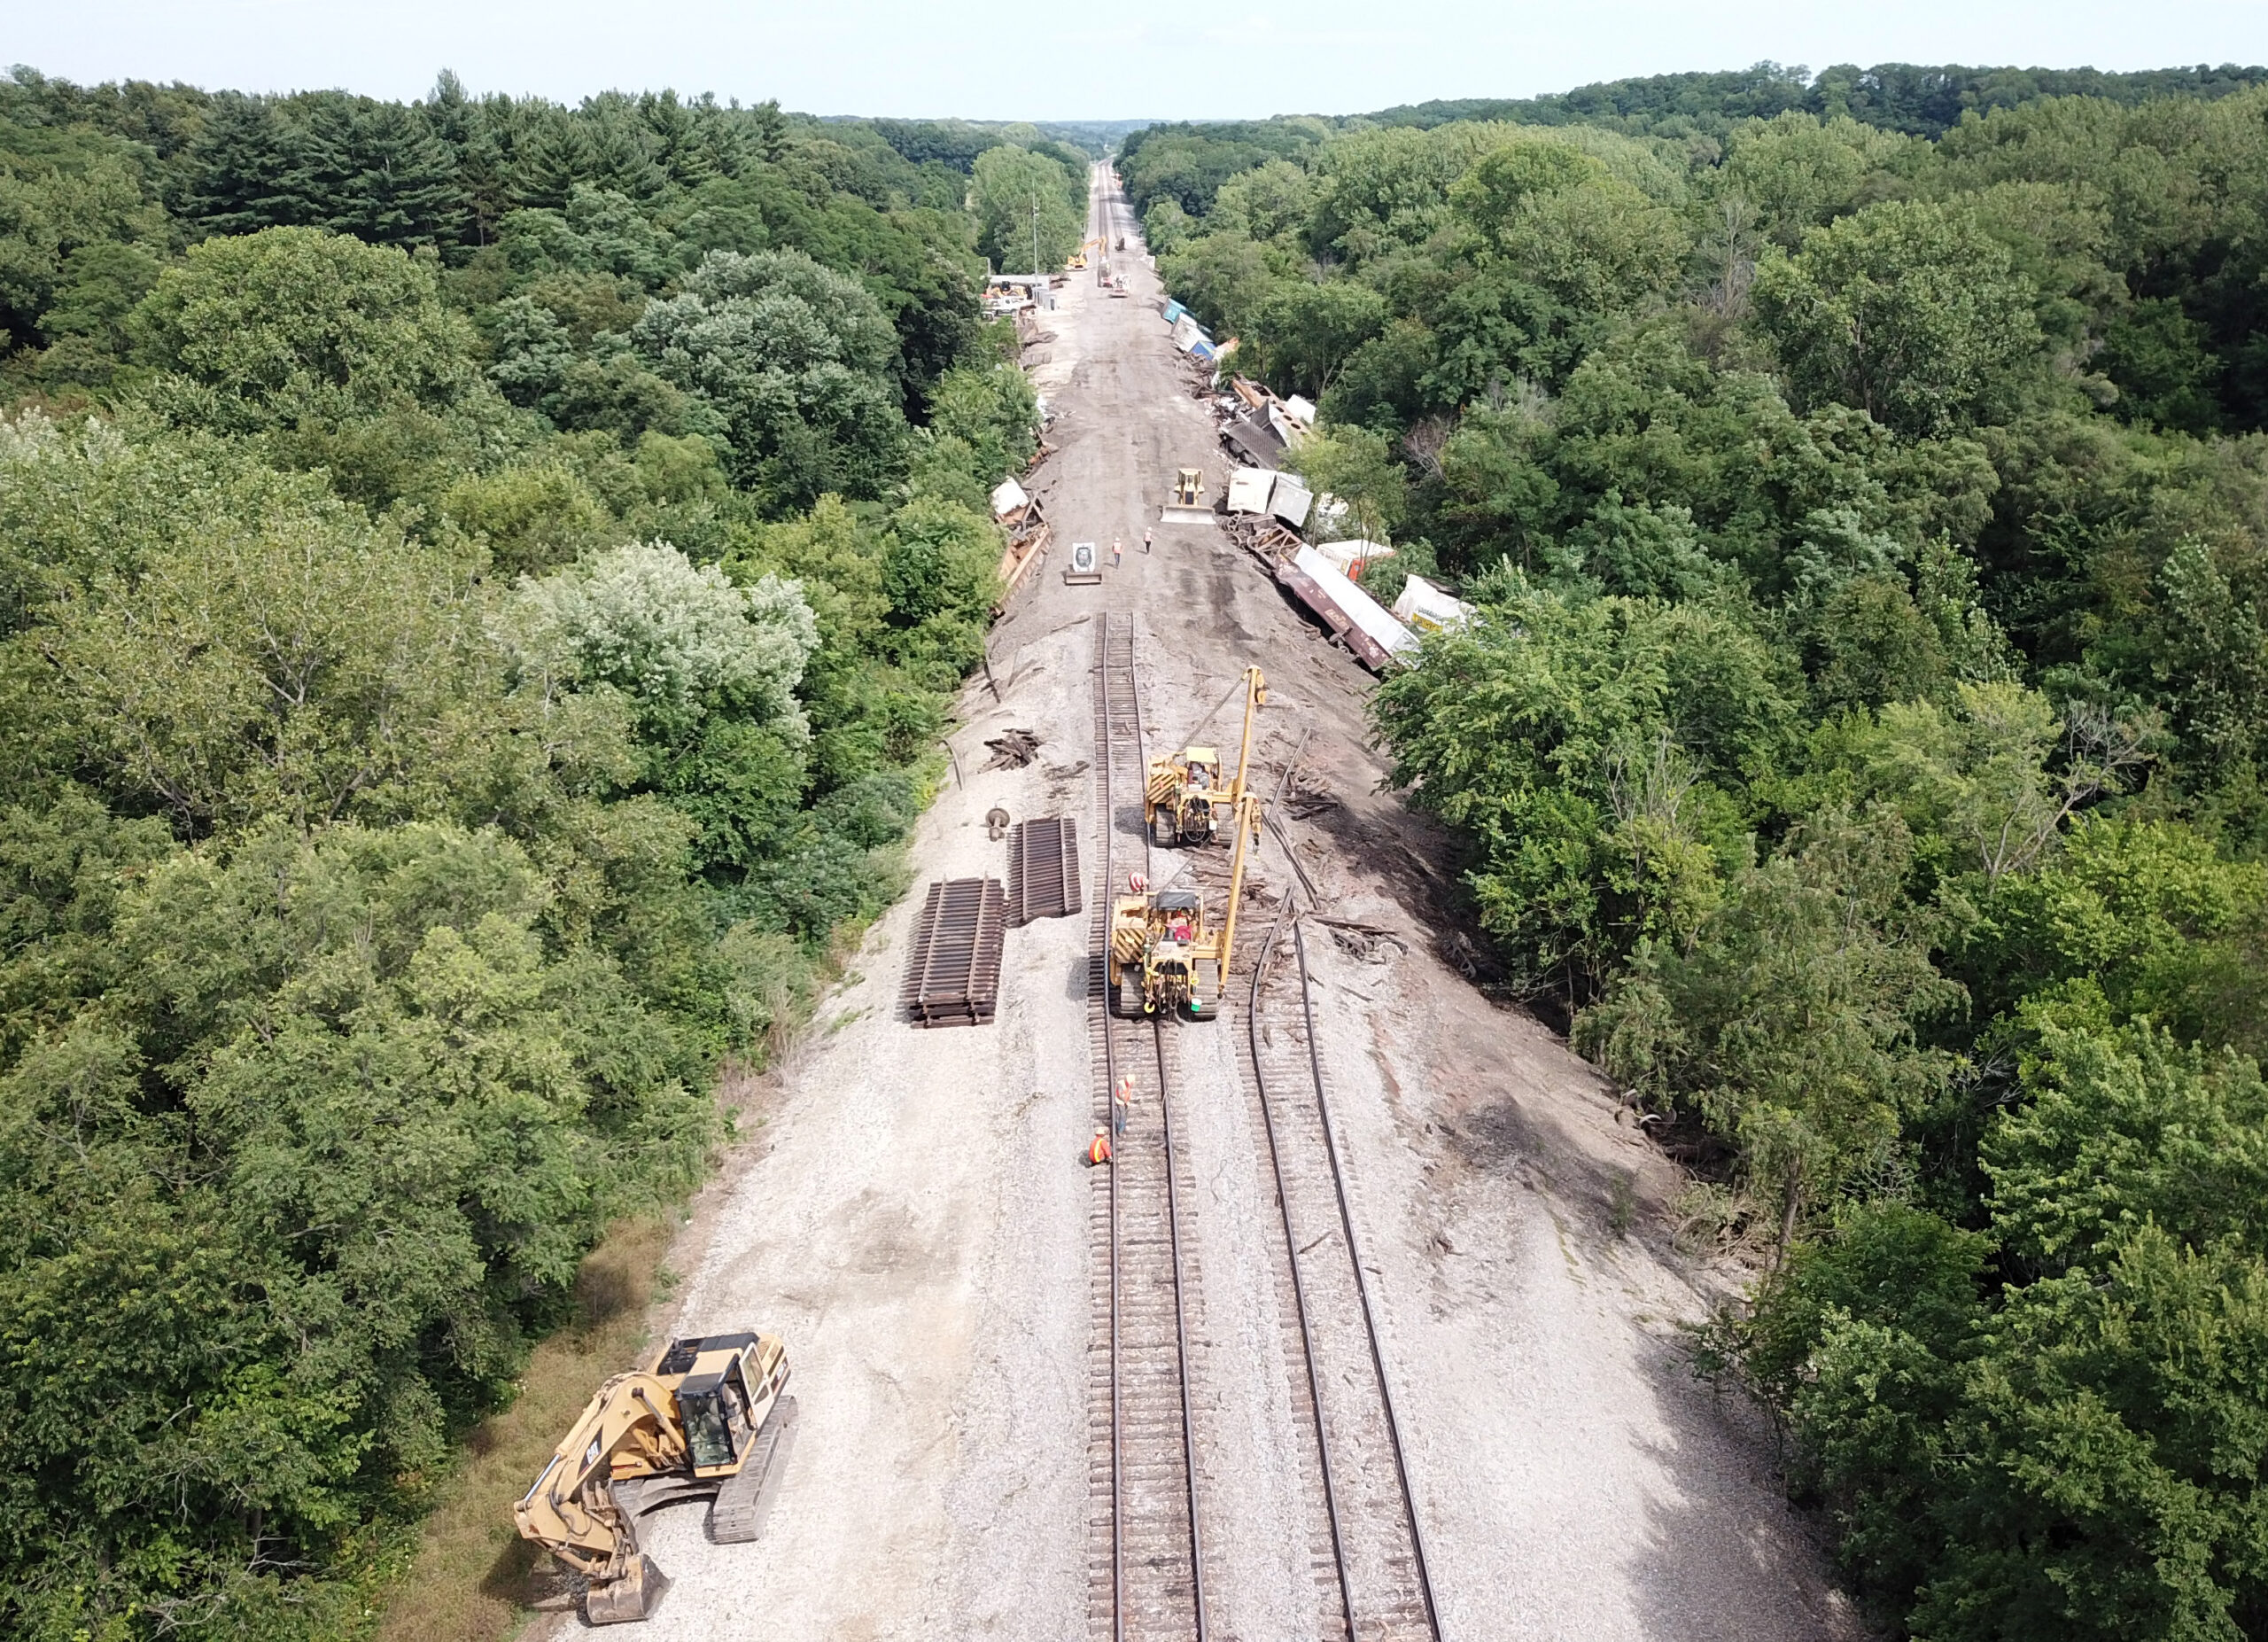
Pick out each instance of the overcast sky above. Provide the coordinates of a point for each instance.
(1128, 59)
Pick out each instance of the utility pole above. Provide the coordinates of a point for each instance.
(1035, 233)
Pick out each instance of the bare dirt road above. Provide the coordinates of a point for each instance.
(912, 1215)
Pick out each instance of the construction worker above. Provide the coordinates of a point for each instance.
(1117, 552)
(1098, 1149)
(1146, 534)
(1122, 1103)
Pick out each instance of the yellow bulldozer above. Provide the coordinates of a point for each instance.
(706, 1418)
(1184, 799)
(1161, 941)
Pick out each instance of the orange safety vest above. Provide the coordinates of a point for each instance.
(1099, 1149)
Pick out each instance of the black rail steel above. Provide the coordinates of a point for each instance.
(1362, 1288)
(1044, 870)
(952, 977)
(1118, 731)
(1408, 1498)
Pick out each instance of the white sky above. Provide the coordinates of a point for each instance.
(1124, 59)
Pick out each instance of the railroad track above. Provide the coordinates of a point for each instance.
(1366, 1543)
(1147, 1562)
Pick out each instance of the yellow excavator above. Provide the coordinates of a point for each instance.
(1183, 800)
(705, 1418)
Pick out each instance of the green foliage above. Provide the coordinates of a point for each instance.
(2126, 1130)
(295, 1174)
(291, 322)
(793, 358)
(1030, 208)
(1912, 316)
(395, 830)
(1590, 748)
(1790, 1018)
(2077, 1455)
(2146, 916)
(677, 640)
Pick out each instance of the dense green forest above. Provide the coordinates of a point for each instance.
(1862, 744)
(480, 584)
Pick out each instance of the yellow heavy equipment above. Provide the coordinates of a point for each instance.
(1184, 798)
(705, 1418)
(1161, 939)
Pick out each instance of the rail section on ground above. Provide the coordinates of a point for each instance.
(1368, 1545)
(1043, 869)
(952, 977)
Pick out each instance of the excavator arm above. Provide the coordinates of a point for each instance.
(705, 1418)
(629, 1428)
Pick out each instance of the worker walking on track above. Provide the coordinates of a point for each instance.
(1098, 1149)
(1122, 1103)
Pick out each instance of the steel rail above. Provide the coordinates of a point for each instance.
(1289, 913)
(1362, 1288)
(1283, 1210)
(1111, 743)
(1100, 977)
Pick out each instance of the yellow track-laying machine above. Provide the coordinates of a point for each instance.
(705, 1418)
(1163, 942)
(1184, 799)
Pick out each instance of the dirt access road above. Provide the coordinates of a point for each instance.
(912, 1215)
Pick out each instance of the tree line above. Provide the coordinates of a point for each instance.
(481, 583)
(1859, 746)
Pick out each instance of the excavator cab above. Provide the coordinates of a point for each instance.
(715, 1404)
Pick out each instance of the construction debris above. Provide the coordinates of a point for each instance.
(1426, 607)
(1306, 801)
(1018, 513)
(1013, 750)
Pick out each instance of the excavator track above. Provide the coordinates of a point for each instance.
(746, 1498)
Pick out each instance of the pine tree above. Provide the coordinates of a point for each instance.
(489, 161)
(452, 114)
(549, 164)
(676, 135)
(771, 128)
(619, 156)
(245, 168)
(407, 179)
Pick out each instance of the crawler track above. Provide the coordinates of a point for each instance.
(1380, 1587)
(1147, 1564)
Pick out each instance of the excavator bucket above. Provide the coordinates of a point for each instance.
(635, 1595)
